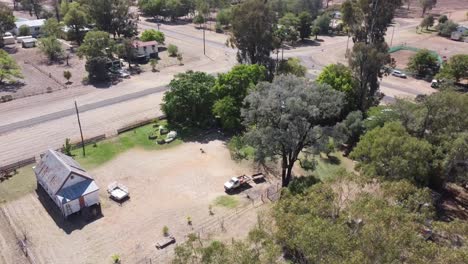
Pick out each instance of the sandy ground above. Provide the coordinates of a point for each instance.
(402, 58)
(165, 187)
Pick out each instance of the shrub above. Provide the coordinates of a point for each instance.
(151, 34)
(165, 231)
(67, 75)
(24, 30)
(173, 50)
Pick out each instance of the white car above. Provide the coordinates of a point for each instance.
(124, 74)
(398, 74)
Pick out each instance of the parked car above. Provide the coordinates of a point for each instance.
(398, 74)
(435, 83)
(124, 74)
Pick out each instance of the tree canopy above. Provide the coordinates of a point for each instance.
(76, 19)
(230, 90)
(423, 63)
(9, 70)
(285, 116)
(456, 68)
(152, 34)
(189, 101)
(7, 20)
(340, 78)
(391, 152)
(252, 31)
(96, 44)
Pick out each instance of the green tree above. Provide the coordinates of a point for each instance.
(199, 19)
(154, 64)
(52, 28)
(9, 70)
(289, 23)
(427, 5)
(285, 117)
(76, 19)
(64, 7)
(423, 63)
(126, 50)
(7, 21)
(252, 31)
(173, 50)
(189, 100)
(24, 30)
(445, 29)
(392, 153)
(230, 91)
(367, 21)
(33, 7)
(456, 68)
(315, 31)
(442, 19)
(340, 78)
(224, 17)
(292, 66)
(427, 22)
(323, 23)
(67, 75)
(305, 25)
(51, 47)
(96, 44)
(366, 62)
(97, 69)
(151, 34)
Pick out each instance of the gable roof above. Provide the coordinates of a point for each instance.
(139, 43)
(55, 168)
(75, 191)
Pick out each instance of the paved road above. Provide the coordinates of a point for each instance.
(83, 108)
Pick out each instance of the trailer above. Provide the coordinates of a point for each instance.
(117, 191)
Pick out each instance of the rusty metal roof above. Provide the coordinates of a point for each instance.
(55, 168)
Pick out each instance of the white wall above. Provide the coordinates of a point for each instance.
(90, 199)
(149, 50)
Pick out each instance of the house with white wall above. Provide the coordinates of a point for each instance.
(70, 187)
(148, 49)
(35, 26)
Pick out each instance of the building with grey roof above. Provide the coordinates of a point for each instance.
(67, 183)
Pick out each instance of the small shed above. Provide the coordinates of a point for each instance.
(148, 49)
(67, 183)
(29, 43)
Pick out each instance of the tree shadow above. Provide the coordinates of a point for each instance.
(175, 22)
(307, 43)
(11, 87)
(330, 159)
(75, 221)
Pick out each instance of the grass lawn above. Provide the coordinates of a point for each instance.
(327, 168)
(226, 201)
(108, 149)
(19, 185)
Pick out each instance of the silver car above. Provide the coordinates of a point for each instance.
(398, 74)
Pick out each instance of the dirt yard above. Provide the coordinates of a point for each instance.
(402, 58)
(165, 187)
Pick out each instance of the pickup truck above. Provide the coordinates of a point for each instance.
(236, 182)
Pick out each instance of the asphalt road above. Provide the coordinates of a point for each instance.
(82, 109)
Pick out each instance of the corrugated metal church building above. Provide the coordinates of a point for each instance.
(69, 185)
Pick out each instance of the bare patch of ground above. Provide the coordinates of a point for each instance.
(402, 58)
(165, 188)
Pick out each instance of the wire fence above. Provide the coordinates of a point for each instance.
(219, 223)
(405, 47)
